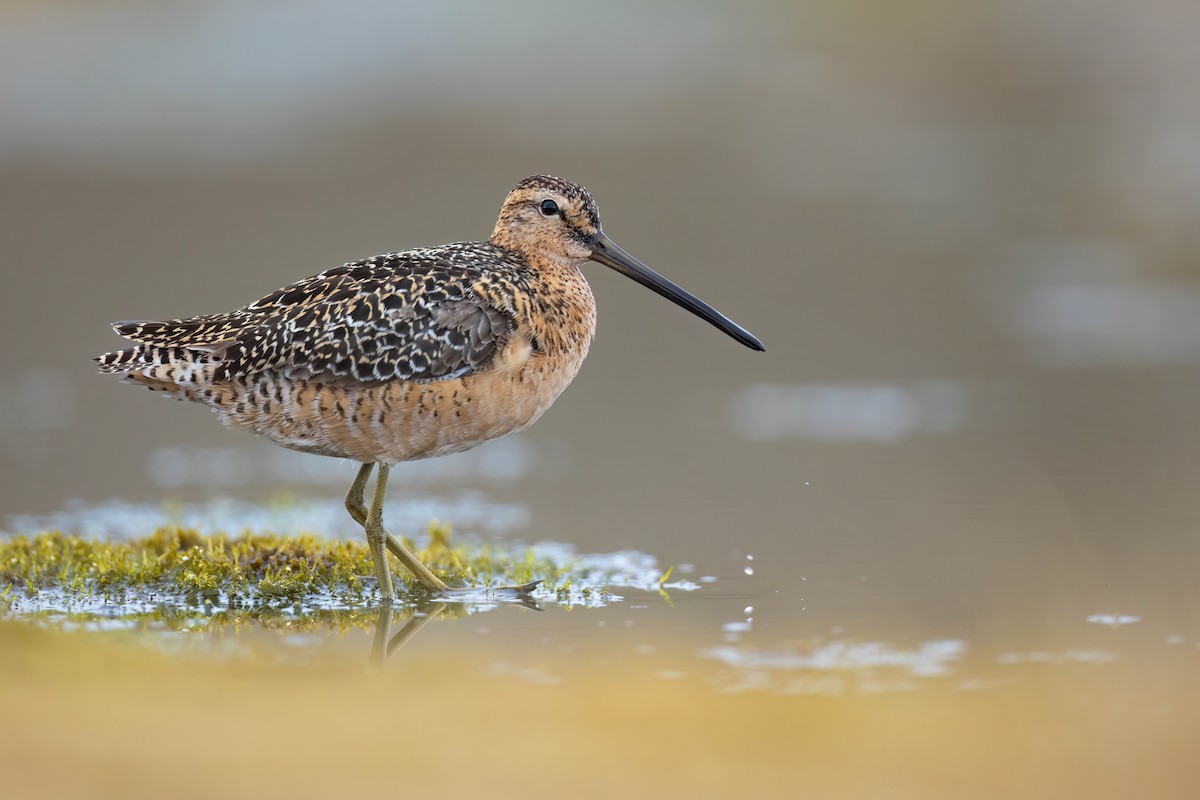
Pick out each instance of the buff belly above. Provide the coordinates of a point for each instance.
(402, 421)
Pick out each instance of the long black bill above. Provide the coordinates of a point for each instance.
(608, 253)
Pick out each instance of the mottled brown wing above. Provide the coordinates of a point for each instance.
(415, 315)
(371, 323)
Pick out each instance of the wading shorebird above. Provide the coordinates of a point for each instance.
(406, 355)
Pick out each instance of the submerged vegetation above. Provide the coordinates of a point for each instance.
(180, 566)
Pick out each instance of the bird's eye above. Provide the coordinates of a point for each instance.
(549, 208)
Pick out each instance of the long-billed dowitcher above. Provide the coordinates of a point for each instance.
(406, 355)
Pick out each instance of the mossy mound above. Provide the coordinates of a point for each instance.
(182, 566)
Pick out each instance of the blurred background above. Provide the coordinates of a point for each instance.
(967, 234)
(969, 459)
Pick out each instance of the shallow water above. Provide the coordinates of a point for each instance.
(940, 539)
(503, 699)
(728, 623)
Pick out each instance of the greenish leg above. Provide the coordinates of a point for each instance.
(377, 536)
(354, 497)
(361, 515)
(378, 539)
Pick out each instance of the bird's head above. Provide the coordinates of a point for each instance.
(549, 219)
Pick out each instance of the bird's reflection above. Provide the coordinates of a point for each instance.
(417, 617)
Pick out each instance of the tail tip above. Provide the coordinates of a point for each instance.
(123, 326)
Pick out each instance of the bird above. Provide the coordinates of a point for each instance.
(409, 354)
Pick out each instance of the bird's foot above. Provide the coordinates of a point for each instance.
(522, 589)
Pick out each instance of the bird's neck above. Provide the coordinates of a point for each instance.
(503, 235)
(564, 318)
(559, 308)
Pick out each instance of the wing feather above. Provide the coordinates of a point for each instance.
(416, 315)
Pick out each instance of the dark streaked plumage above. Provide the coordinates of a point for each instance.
(417, 315)
(406, 355)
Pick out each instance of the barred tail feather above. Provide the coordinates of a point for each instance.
(123, 360)
(178, 370)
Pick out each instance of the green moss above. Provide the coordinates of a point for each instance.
(179, 565)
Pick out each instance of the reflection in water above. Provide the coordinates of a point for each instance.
(834, 667)
(385, 643)
(779, 669)
(382, 647)
(1113, 620)
(1058, 658)
(840, 668)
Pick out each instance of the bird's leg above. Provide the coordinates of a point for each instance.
(361, 515)
(378, 538)
(354, 497)
(376, 535)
